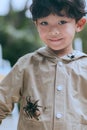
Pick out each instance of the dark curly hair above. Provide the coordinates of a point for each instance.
(70, 8)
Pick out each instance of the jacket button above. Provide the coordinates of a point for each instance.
(59, 88)
(58, 115)
(60, 63)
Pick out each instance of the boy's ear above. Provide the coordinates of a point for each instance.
(80, 24)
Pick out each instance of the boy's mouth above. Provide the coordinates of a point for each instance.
(56, 40)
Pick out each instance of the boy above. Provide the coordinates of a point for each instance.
(51, 83)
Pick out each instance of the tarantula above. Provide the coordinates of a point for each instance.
(31, 108)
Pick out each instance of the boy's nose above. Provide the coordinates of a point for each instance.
(54, 32)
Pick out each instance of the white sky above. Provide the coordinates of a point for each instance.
(4, 7)
(16, 5)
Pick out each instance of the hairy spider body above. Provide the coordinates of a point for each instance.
(31, 108)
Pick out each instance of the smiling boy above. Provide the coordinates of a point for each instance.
(50, 83)
(58, 32)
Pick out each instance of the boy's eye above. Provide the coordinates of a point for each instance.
(44, 23)
(62, 22)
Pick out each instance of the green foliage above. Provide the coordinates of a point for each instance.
(18, 36)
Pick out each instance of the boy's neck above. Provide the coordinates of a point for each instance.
(61, 53)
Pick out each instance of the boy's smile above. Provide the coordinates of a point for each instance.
(57, 32)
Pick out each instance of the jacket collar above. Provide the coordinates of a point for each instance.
(47, 52)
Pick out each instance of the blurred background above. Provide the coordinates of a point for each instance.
(19, 36)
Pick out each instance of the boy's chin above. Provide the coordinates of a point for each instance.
(54, 49)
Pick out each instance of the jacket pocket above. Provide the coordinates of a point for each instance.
(33, 124)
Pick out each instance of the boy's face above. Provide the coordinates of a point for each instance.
(57, 32)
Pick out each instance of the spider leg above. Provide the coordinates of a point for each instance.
(29, 114)
(37, 109)
(28, 99)
(39, 106)
(35, 103)
(35, 116)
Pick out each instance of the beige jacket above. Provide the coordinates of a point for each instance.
(60, 85)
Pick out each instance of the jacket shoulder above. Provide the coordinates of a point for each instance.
(29, 58)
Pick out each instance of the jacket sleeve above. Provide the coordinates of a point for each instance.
(10, 90)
